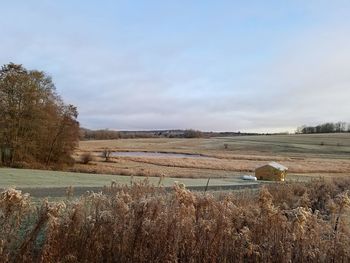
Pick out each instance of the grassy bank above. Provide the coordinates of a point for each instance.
(27, 178)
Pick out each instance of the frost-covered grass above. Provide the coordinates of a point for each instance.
(28, 178)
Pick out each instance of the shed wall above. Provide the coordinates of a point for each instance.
(269, 173)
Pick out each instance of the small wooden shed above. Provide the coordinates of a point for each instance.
(271, 172)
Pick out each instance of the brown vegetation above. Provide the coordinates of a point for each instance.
(299, 166)
(125, 167)
(36, 127)
(244, 154)
(141, 223)
(209, 167)
(86, 158)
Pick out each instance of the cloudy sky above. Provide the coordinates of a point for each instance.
(208, 65)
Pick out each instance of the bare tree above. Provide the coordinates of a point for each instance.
(106, 153)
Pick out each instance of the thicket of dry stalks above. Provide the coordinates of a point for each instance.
(141, 223)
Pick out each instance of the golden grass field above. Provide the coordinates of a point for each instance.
(305, 155)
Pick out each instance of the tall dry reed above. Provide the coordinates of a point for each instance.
(280, 223)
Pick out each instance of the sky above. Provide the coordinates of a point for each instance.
(250, 66)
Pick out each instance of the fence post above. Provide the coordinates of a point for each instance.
(206, 187)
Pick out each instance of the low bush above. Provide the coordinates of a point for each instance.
(87, 157)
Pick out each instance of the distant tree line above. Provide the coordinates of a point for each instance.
(36, 126)
(86, 134)
(193, 134)
(105, 134)
(328, 127)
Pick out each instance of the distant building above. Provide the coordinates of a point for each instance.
(271, 172)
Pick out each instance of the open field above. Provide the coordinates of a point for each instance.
(52, 183)
(223, 166)
(319, 154)
(38, 178)
(333, 145)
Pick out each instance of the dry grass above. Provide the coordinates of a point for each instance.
(298, 166)
(334, 145)
(243, 154)
(141, 223)
(126, 167)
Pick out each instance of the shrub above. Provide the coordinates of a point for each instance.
(85, 158)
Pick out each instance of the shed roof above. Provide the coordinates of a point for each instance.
(275, 165)
(278, 166)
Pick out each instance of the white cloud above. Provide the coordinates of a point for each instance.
(305, 80)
